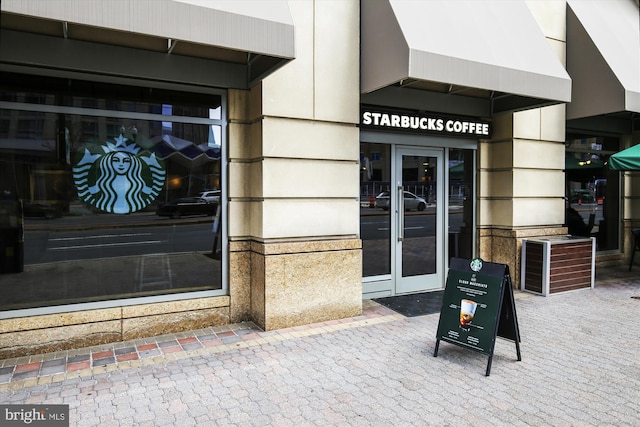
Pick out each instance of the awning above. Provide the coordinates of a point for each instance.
(626, 160)
(603, 57)
(487, 49)
(256, 34)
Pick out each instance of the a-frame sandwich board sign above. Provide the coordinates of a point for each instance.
(477, 306)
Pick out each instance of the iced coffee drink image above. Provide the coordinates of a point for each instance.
(467, 311)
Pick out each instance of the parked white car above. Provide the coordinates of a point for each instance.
(411, 201)
(211, 196)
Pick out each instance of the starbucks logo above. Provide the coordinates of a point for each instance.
(119, 179)
(476, 264)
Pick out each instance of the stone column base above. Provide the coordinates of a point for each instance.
(504, 246)
(297, 283)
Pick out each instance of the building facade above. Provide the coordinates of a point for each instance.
(345, 150)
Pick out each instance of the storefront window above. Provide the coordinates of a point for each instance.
(461, 191)
(375, 216)
(111, 193)
(592, 190)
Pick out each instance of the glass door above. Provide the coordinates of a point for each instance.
(418, 211)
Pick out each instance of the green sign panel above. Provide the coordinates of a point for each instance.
(477, 306)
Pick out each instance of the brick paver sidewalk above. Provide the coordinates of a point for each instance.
(580, 366)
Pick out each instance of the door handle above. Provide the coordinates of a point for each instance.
(400, 213)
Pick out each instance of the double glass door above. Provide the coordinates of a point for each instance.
(402, 219)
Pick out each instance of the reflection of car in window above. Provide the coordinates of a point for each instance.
(186, 206)
(40, 210)
(211, 196)
(582, 196)
(601, 188)
(411, 201)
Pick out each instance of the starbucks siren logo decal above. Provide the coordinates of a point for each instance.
(120, 180)
(476, 264)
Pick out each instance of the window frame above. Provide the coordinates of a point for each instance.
(83, 111)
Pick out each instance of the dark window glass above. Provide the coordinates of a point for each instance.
(106, 214)
(461, 195)
(375, 216)
(82, 94)
(592, 190)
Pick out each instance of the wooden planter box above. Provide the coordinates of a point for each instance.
(558, 264)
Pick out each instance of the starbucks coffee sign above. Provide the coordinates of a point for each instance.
(425, 123)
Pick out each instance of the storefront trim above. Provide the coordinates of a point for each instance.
(69, 308)
(417, 140)
(106, 113)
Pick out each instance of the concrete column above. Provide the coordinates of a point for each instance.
(521, 170)
(293, 178)
(521, 183)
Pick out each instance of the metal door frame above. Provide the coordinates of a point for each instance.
(420, 283)
(384, 285)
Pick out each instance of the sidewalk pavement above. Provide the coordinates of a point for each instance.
(580, 366)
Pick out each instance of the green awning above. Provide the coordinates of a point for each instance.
(626, 160)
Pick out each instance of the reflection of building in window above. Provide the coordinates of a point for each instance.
(119, 181)
(31, 128)
(591, 188)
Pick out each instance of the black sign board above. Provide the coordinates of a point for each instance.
(478, 306)
(424, 123)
